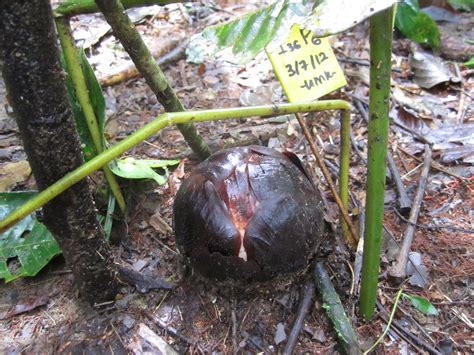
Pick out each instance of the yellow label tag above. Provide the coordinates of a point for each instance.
(306, 66)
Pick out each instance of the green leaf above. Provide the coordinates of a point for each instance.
(270, 25)
(464, 5)
(29, 240)
(131, 168)
(422, 304)
(470, 63)
(248, 34)
(98, 103)
(417, 25)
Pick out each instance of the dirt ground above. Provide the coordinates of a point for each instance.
(44, 314)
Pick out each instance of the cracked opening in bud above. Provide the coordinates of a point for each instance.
(249, 214)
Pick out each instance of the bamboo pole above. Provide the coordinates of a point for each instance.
(381, 26)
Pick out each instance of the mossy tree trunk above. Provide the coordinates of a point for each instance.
(37, 93)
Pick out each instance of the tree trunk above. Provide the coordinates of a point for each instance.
(37, 93)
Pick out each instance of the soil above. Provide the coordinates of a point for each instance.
(45, 314)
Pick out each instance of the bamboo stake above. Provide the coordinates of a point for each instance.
(381, 26)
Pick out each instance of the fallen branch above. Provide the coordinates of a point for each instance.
(305, 305)
(398, 270)
(172, 53)
(143, 283)
(404, 202)
(333, 306)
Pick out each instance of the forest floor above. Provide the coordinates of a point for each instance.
(44, 314)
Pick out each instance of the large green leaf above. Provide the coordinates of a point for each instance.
(28, 241)
(270, 25)
(417, 25)
(421, 304)
(131, 168)
(98, 103)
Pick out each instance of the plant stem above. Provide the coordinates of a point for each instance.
(342, 201)
(126, 33)
(380, 74)
(89, 6)
(78, 80)
(389, 323)
(344, 158)
(152, 128)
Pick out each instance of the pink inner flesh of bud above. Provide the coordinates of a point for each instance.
(240, 201)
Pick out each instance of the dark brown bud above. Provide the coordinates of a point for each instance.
(248, 213)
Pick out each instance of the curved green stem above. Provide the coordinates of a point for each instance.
(390, 320)
(80, 88)
(153, 127)
(380, 74)
(71, 8)
(344, 158)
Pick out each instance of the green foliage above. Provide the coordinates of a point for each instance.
(28, 241)
(421, 304)
(465, 5)
(96, 97)
(131, 168)
(249, 34)
(470, 63)
(417, 25)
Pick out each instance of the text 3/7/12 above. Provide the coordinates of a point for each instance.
(305, 65)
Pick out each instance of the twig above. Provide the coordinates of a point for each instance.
(143, 283)
(305, 304)
(172, 331)
(434, 165)
(410, 257)
(398, 270)
(234, 329)
(328, 178)
(389, 323)
(359, 252)
(404, 202)
(346, 334)
(356, 148)
(401, 329)
(362, 62)
(432, 227)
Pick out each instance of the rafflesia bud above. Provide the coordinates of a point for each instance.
(248, 214)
